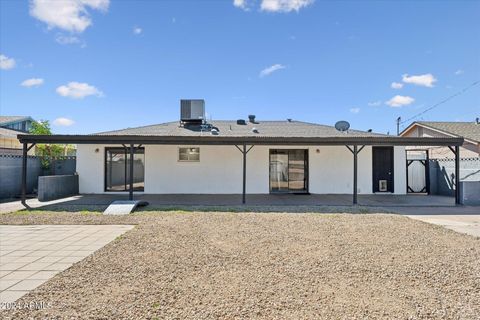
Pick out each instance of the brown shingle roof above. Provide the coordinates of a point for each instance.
(232, 129)
(467, 130)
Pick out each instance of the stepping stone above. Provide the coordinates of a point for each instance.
(121, 207)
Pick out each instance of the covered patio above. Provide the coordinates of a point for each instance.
(227, 202)
(355, 144)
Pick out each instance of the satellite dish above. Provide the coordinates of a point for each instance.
(342, 126)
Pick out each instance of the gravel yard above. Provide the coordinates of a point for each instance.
(177, 265)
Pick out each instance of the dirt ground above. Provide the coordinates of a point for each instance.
(178, 265)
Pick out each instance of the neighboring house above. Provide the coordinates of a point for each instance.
(437, 176)
(19, 123)
(470, 131)
(10, 127)
(194, 156)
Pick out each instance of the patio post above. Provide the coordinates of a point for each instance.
(130, 193)
(244, 152)
(457, 175)
(244, 173)
(355, 167)
(24, 173)
(355, 151)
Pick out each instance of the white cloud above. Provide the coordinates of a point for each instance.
(242, 4)
(33, 82)
(6, 62)
(267, 71)
(137, 30)
(62, 39)
(63, 122)
(426, 80)
(354, 110)
(77, 90)
(284, 5)
(459, 72)
(274, 5)
(400, 101)
(375, 103)
(70, 15)
(396, 85)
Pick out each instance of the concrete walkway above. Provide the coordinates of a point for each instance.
(463, 219)
(468, 224)
(32, 254)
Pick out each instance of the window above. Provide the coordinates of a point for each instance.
(189, 154)
(117, 169)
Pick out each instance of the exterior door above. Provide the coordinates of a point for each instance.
(289, 171)
(382, 169)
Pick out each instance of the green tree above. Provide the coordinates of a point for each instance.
(47, 152)
(41, 127)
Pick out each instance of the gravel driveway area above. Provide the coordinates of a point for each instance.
(177, 265)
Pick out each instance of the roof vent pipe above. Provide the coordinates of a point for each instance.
(289, 119)
(251, 118)
(477, 120)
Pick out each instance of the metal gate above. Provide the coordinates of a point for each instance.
(418, 171)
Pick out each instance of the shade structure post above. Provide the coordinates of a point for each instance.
(457, 175)
(24, 174)
(244, 189)
(355, 167)
(130, 193)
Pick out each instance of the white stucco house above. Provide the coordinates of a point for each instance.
(254, 156)
(197, 168)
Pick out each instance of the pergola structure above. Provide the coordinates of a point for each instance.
(244, 144)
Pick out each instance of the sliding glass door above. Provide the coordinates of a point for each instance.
(289, 171)
(117, 169)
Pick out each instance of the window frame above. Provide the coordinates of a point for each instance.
(188, 160)
(127, 155)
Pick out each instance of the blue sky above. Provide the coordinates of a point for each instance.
(103, 65)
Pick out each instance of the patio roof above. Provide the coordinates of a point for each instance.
(239, 140)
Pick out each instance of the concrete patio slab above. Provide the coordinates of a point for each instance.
(23, 270)
(100, 202)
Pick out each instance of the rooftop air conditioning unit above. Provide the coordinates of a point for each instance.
(192, 110)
